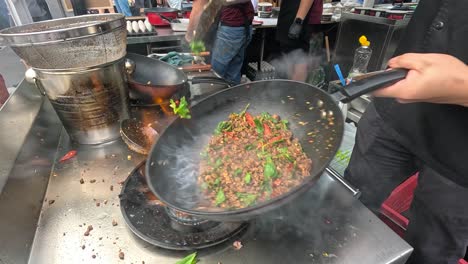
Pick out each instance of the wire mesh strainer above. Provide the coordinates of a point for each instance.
(68, 43)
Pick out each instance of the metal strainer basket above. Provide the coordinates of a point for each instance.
(66, 43)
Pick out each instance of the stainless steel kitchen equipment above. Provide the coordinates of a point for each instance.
(90, 102)
(79, 64)
(48, 225)
(65, 43)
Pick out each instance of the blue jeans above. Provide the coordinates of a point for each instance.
(228, 52)
(123, 7)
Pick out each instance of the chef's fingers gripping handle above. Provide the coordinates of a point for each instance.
(372, 83)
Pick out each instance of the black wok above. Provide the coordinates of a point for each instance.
(172, 166)
(152, 81)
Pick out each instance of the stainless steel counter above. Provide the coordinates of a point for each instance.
(326, 225)
(164, 34)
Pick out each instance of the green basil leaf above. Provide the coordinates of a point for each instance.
(237, 172)
(269, 170)
(220, 197)
(217, 181)
(247, 198)
(249, 147)
(218, 163)
(248, 178)
(259, 126)
(182, 109)
(197, 47)
(245, 110)
(223, 126)
(190, 259)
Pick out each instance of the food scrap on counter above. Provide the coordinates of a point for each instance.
(190, 259)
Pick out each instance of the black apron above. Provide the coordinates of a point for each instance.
(436, 133)
(286, 18)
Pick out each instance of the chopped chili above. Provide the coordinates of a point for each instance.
(249, 119)
(266, 130)
(70, 154)
(278, 138)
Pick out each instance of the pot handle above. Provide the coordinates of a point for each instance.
(129, 66)
(372, 83)
(209, 79)
(31, 77)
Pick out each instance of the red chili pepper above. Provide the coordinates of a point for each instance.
(277, 182)
(249, 119)
(70, 154)
(275, 139)
(266, 130)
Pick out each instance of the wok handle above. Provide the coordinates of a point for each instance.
(354, 191)
(372, 83)
(209, 79)
(31, 77)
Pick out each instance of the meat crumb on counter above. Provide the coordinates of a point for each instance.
(92, 181)
(51, 201)
(237, 245)
(114, 223)
(81, 181)
(121, 255)
(88, 230)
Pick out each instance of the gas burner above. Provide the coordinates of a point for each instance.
(164, 227)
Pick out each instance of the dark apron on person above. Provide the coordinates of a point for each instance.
(286, 18)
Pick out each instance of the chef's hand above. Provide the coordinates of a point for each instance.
(433, 78)
(295, 29)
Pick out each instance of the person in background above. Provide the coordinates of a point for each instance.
(123, 7)
(424, 130)
(295, 26)
(233, 34)
(177, 4)
(295, 22)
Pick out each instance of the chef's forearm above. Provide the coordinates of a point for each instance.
(197, 10)
(304, 8)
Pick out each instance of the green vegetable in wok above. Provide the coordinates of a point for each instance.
(197, 47)
(181, 109)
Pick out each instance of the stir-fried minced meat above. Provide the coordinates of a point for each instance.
(251, 159)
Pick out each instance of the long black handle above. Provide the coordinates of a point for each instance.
(209, 79)
(165, 18)
(372, 83)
